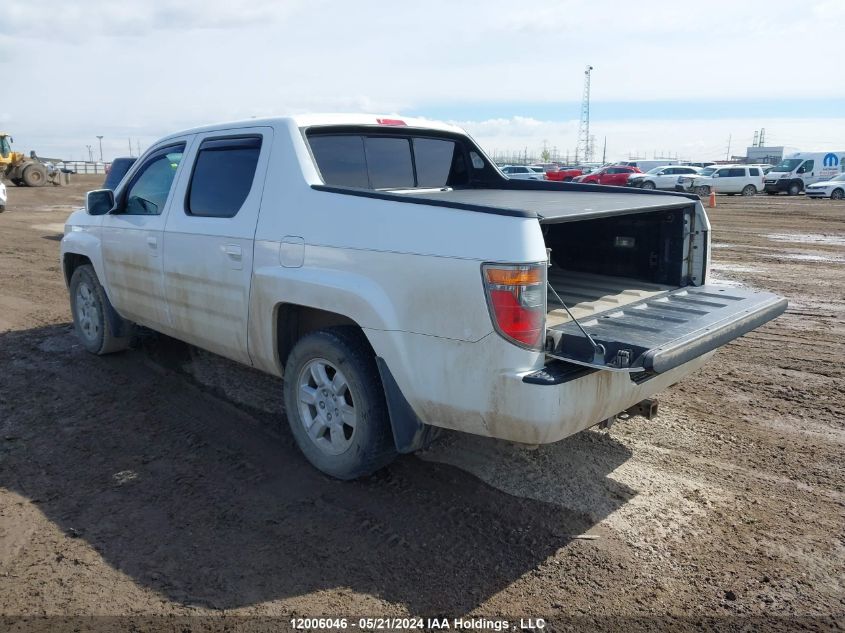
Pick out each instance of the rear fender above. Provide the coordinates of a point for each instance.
(351, 295)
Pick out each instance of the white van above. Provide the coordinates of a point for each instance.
(798, 170)
(648, 165)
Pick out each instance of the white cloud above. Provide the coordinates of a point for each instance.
(144, 68)
(695, 139)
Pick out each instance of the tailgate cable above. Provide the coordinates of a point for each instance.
(598, 349)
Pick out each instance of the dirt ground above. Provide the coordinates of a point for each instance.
(163, 483)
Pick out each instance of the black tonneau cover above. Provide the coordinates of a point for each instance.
(550, 202)
(560, 206)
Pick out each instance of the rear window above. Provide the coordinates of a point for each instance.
(754, 171)
(388, 162)
(736, 172)
(433, 158)
(223, 175)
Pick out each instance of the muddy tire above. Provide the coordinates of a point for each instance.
(749, 190)
(335, 404)
(703, 190)
(93, 315)
(35, 175)
(648, 185)
(837, 194)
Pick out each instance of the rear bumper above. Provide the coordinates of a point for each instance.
(479, 387)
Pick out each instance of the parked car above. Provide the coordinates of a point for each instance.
(797, 171)
(661, 177)
(833, 188)
(117, 170)
(612, 175)
(2, 197)
(523, 172)
(398, 282)
(729, 179)
(564, 174)
(646, 165)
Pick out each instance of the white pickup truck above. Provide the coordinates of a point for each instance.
(399, 282)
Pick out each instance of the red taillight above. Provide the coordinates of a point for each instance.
(516, 296)
(390, 122)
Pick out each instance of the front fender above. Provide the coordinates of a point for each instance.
(84, 241)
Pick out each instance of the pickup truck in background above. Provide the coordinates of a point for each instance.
(398, 282)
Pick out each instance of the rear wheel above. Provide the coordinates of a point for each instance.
(648, 185)
(837, 194)
(335, 404)
(749, 190)
(90, 307)
(34, 175)
(794, 188)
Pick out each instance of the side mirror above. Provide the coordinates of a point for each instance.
(99, 201)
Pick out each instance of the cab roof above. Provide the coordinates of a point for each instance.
(317, 120)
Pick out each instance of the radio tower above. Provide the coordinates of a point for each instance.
(584, 150)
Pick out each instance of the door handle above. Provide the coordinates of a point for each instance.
(233, 251)
(152, 241)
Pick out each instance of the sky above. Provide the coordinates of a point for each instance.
(672, 78)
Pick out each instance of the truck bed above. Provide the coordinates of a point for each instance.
(587, 294)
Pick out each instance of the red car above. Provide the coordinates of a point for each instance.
(564, 174)
(613, 175)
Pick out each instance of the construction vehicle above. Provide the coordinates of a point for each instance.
(23, 171)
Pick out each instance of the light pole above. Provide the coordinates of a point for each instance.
(101, 147)
(90, 154)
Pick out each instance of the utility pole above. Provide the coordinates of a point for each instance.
(101, 147)
(138, 145)
(728, 153)
(583, 149)
(604, 152)
(90, 154)
(762, 137)
(130, 147)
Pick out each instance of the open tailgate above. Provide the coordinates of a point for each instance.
(667, 330)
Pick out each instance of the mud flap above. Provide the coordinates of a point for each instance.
(409, 432)
(665, 331)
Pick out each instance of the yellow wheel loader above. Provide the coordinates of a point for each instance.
(20, 170)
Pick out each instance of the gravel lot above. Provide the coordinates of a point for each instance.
(163, 482)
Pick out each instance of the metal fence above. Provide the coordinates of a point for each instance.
(85, 167)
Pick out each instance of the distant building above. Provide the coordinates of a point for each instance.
(770, 155)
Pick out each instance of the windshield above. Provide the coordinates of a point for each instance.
(839, 178)
(707, 171)
(656, 170)
(788, 164)
(5, 148)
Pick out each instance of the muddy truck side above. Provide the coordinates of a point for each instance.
(399, 282)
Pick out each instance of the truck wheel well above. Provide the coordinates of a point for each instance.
(295, 321)
(71, 262)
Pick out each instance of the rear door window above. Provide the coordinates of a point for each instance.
(223, 175)
(754, 171)
(737, 172)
